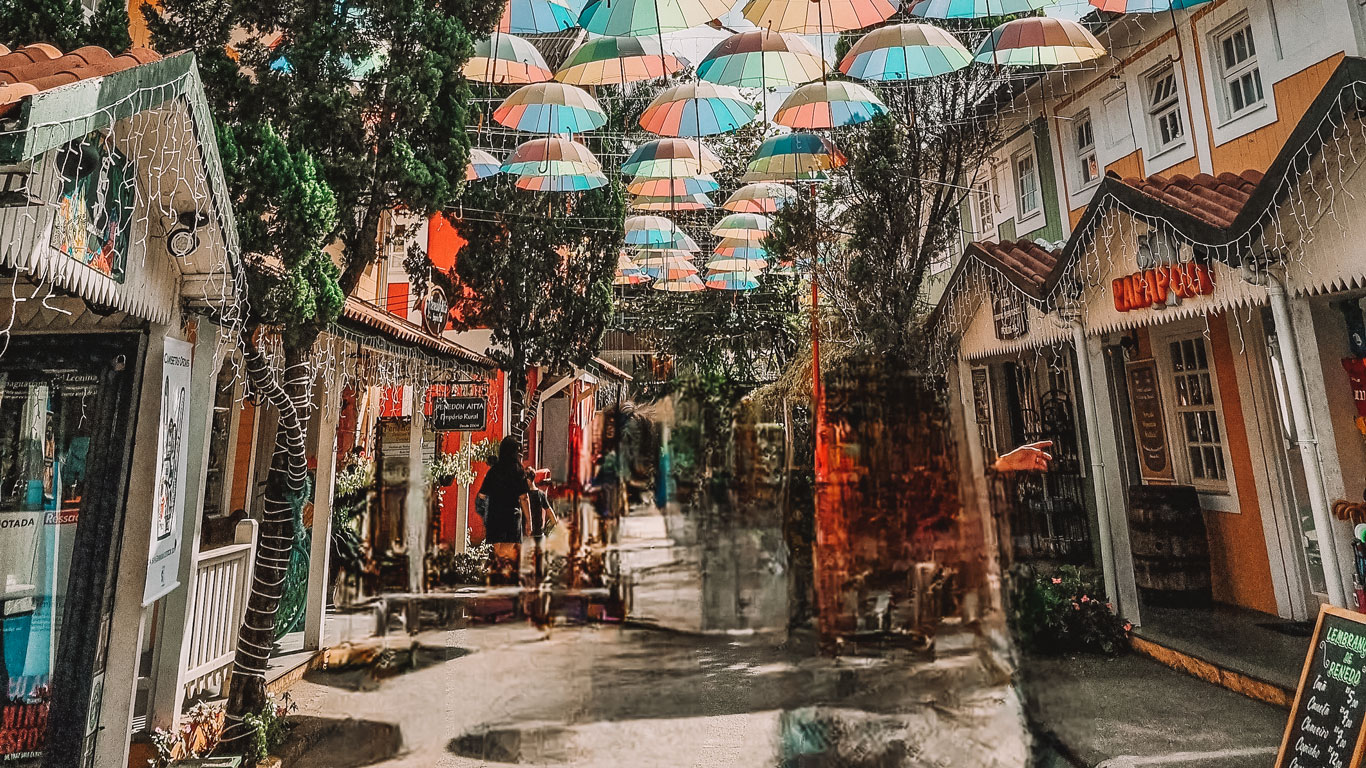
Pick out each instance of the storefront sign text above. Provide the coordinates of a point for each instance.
(1162, 284)
(1150, 430)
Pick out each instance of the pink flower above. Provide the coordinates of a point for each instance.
(1085, 599)
(1057, 581)
(1076, 607)
(1128, 626)
(1111, 606)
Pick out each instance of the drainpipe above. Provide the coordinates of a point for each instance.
(1305, 439)
(1102, 493)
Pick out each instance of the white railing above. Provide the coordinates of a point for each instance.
(221, 585)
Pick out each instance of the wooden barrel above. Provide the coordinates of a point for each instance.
(1169, 545)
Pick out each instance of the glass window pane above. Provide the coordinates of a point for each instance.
(1197, 464)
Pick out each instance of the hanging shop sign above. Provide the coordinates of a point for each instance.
(460, 414)
(1150, 428)
(1325, 722)
(168, 498)
(1164, 285)
(1008, 316)
(435, 311)
(94, 215)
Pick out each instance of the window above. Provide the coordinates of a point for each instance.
(1085, 136)
(1026, 185)
(1238, 64)
(1164, 108)
(1119, 126)
(1197, 414)
(982, 207)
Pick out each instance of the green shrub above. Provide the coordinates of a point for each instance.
(1064, 612)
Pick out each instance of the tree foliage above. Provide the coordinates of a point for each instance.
(63, 23)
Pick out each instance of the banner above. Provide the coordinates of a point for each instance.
(168, 497)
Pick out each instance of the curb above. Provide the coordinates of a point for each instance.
(1195, 666)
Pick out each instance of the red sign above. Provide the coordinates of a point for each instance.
(1356, 374)
(1153, 287)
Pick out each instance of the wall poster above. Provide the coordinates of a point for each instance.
(168, 498)
(95, 207)
(1150, 426)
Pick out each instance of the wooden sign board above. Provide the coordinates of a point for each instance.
(1324, 730)
(460, 414)
(1150, 425)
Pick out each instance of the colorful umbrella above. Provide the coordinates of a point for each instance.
(482, 165)
(793, 156)
(696, 109)
(506, 59)
(535, 17)
(976, 9)
(552, 156)
(568, 183)
(628, 272)
(741, 247)
(645, 231)
(649, 17)
(1040, 41)
(689, 284)
(667, 268)
(697, 202)
(815, 17)
(736, 264)
(760, 197)
(784, 268)
(616, 60)
(685, 185)
(905, 52)
(761, 59)
(550, 108)
(732, 281)
(1145, 6)
(743, 226)
(827, 105)
(661, 255)
(671, 157)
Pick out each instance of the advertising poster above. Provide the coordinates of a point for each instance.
(168, 499)
(94, 212)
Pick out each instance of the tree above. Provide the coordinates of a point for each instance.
(63, 24)
(329, 117)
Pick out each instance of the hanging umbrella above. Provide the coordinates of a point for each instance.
(827, 105)
(644, 231)
(506, 59)
(793, 156)
(815, 17)
(576, 182)
(649, 17)
(685, 185)
(732, 281)
(535, 17)
(1145, 6)
(736, 264)
(760, 197)
(671, 157)
(760, 59)
(741, 247)
(743, 226)
(552, 156)
(482, 165)
(698, 202)
(905, 52)
(689, 284)
(628, 272)
(696, 109)
(616, 60)
(667, 268)
(550, 108)
(975, 9)
(1039, 41)
(784, 268)
(658, 255)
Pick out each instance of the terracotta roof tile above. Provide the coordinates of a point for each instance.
(403, 332)
(1214, 200)
(36, 68)
(1029, 262)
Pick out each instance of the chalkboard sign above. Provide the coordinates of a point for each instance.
(1324, 730)
(460, 414)
(1150, 426)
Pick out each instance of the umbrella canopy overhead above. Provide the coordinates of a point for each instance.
(732, 281)
(753, 264)
(506, 59)
(905, 52)
(743, 226)
(1039, 41)
(535, 17)
(760, 197)
(552, 156)
(975, 9)
(679, 186)
(697, 109)
(576, 182)
(616, 60)
(649, 17)
(760, 58)
(551, 108)
(827, 105)
(645, 231)
(814, 17)
(689, 284)
(482, 165)
(628, 272)
(736, 248)
(698, 202)
(794, 156)
(1146, 6)
(663, 158)
(667, 267)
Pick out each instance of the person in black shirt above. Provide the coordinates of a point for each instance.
(506, 490)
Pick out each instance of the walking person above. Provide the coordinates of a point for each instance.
(505, 492)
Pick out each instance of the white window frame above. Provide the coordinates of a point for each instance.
(1087, 160)
(1163, 108)
(1021, 212)
(983, 206)
(1232, 75)
(1210, 489)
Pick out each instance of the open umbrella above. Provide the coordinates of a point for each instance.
(905, 52)
(732, 281)
(815, 17)
(750, 247)
(551, 156)
(1039, 41)
(671, 157)
(737, 264)
(507, 59)
(1145, 6)
(482, 165)
(649, 17)
(616, 60)
(689, 284)
(793, 156)
(698, 202)
(535, 17)
(761, 59)
(576, 182)
(975, 9)
(743, 226)
(648, 231)
(550, 108)
(666, 267)
(628, 272)
(696, 109)
(827, 105)
(683, 185)
(760, 197)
